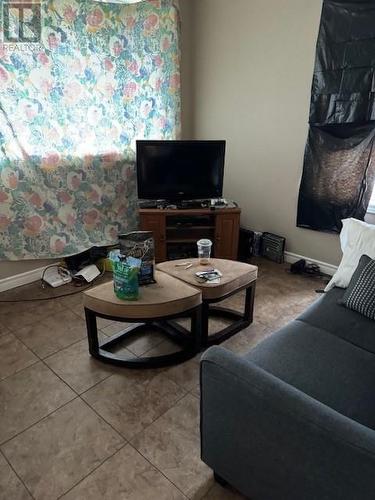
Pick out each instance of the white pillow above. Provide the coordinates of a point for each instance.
(357, 238)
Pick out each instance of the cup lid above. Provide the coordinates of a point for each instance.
(204, 243)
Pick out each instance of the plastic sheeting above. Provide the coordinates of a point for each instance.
(343, 89)
(338, 171)
(337, 178)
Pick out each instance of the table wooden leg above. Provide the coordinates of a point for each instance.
(204, 324)
(196, 329)
(190, 341)
(92, 332)
(239, 321)
(249, 302)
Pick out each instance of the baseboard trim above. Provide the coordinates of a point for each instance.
(326, 268)
(21, 279)
(36, 274)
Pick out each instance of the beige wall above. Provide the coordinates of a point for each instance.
(246, 76)
(253, 64)
(8, 269)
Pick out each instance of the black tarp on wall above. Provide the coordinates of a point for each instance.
(339, 173)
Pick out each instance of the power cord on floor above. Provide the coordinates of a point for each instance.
(79, 283)
(310, 270)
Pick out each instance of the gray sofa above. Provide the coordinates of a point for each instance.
(294, 418)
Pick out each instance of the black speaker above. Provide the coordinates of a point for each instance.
(273, 247)
(245, 244)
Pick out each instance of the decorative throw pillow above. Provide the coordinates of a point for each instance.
(360, 294)
(357, 238)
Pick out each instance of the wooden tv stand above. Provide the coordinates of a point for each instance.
(176, 231)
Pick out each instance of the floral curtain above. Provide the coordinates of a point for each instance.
(71, 109)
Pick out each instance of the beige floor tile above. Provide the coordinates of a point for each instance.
(3, 330)
(53, 333)
(72, 300)
(14, 356)
(272, 311)
(165, 347)
(214, 325)
(102, 322)
(276, 312)
(80, 311)
(172, 444)
(145, 403)
(120, 349)
(28, 396)
(122, 352)
(188, 380)
(132, 399)
(113, 328)
(77, 368)
(143, 342)
(220, 493)
(30, 291)
(236, 302)
(11, 488)
(60, 450)
(140, 343)
(128, 476)
(245, 340)
(10, 310)
(186, 374)
(196, 391)
(18, 315)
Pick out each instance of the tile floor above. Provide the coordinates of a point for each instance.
(73, 428)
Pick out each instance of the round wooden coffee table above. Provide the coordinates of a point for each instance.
(167, 299)
(237, 276)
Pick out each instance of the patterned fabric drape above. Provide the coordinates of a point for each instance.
(71, 109)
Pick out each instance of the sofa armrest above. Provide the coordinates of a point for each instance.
(272, 441)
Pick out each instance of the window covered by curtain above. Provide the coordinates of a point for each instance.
(71, 109)
(339, 168)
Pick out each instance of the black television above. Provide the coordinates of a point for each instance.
(180, 170)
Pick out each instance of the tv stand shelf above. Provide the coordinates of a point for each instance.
(176, 231)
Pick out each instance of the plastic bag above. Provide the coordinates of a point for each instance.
(140, 245)
(125, 276)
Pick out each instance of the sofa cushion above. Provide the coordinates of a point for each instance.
(327, 368)
(330, 315)
(360, 294)
(357, 238)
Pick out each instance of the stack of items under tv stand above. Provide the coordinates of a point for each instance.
(178, 227)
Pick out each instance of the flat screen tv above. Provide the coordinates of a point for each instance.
(180, 170)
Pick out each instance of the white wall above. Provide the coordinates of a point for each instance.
(252, 67)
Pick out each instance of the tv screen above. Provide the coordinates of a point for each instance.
(180, 170)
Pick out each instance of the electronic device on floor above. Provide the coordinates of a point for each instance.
(56, 276)
(245, 245)
(88, 273)
(273, 247)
